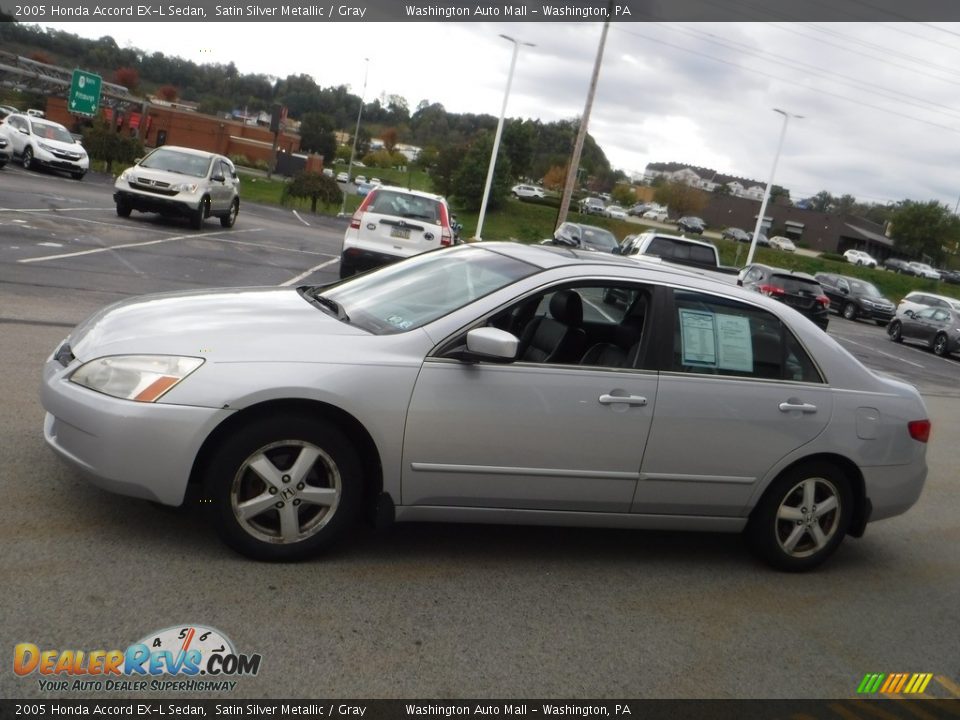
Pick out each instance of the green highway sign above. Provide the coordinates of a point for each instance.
(84, 93)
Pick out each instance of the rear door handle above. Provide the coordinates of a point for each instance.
(622, 399)
(802, 407)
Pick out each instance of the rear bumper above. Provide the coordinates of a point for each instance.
(360, 260)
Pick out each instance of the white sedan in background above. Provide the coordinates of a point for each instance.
(779, 242)
(616, 212)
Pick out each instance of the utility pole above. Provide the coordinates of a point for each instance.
(582, 131)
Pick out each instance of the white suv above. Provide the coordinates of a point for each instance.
(859, 257)
(42, 143)
(526, 191)
(917, 300)
(393, 223)
(180, 181)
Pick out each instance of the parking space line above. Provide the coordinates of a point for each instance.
(82, 219)
(309, 272)
(92, 251)
(880, 352)
(275, 247)
(297, 216)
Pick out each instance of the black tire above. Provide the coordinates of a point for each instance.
(788, 530)
(346, 269)
(895, 331)
(27, 158)
(196, 220)
(230, 218)
(2, 163)
(850, 311)
(123, 210)
(941, 345)
(78, 175)
(306, 504)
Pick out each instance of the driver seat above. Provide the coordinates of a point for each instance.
(558, 337)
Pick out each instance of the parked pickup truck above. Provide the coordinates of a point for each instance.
(696, 254)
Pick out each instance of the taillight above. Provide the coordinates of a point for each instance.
(358, 215)
(446, 235)
(771, 290)
(919, 430)
(824, 300)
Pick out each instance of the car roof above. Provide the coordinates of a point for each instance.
(786, 271)
(692, 241)
(188, 151)
(418, 193)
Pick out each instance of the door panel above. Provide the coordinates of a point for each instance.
(526, 436)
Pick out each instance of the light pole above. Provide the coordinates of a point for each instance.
(496, 137)
(356, 133)
(773, 170)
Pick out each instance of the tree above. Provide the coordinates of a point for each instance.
(389, 137)
(103, 143)
(445, 167)
(313, 185)
(682, 199)
(779, 195)
(316, 135)
(470, 179)
(623, 194)
(168, 93)
(128, 77)
(822, 201)
(722, 189)
(555, 178)
(921, 229)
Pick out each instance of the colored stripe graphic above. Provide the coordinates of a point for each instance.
(906, 683)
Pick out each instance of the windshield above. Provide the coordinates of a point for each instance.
(865, 288)
(51, 131)
(177, 162)
(417, 291)
(599, 239)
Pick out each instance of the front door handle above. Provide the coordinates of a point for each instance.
(802, 407)
(607, 399)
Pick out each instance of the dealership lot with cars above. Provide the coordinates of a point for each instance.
(401, 595)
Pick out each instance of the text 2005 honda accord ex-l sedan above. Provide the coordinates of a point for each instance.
(495, 383)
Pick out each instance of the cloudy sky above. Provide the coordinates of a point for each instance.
(881, 101)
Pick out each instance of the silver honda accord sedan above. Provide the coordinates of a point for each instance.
(494, 383)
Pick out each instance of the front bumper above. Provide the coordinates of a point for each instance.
(143, 202)
(877, 314)
(59, 161)
(144, 450)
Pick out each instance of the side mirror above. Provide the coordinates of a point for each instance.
(617, 250)
(909, 313)
(218, 177)
(489, 344)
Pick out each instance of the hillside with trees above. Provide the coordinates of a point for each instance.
(531, 147)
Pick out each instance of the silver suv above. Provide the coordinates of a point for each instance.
(393, 223)
(180, 182)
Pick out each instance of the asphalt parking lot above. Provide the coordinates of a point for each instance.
(427, 610)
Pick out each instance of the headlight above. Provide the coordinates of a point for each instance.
(144, 378)
(46, 147)
(184, 187)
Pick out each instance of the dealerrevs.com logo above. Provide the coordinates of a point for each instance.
(198, 658)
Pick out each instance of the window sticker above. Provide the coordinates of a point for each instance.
(735, 343)
(698, 338)
(716, 340)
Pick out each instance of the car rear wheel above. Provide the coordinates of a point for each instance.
(940, 343)
(895, 331)
(802, 518)
(850, 311)
(230, 218)
(284, 488)
(27, 158)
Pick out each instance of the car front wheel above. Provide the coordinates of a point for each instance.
(230, 218)
(28, 158)
(284, 488)
(850, 311)
(123, 210)
(802, 518)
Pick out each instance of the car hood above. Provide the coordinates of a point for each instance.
(234, 324)
(138, 174)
